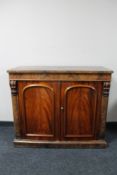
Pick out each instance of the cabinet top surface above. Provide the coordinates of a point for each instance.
(60, 69)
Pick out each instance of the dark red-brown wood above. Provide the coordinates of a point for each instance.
(60, 106)
(80, 102)
(38, 103)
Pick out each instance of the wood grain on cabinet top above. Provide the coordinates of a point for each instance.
(61, 69)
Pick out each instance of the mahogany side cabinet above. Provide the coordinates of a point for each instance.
(60, 106)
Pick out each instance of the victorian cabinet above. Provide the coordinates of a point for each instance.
(60, 106)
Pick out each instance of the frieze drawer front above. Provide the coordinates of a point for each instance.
(60, 106)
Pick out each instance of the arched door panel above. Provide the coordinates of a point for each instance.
(38, 103)
(78, 114)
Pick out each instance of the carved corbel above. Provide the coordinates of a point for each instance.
(14, 89)
(106, 88)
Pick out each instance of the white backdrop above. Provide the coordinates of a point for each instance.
(57, 32)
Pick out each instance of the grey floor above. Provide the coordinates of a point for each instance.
(35, 161)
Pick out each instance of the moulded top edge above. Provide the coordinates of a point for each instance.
(60, 69)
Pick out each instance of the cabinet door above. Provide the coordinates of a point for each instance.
(38, 102)
(80, 110)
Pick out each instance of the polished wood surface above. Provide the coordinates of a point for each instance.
(79, 101)
(60, 77)
(60, 106)
(37, 104)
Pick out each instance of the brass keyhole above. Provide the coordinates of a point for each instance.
(62, 108)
